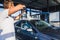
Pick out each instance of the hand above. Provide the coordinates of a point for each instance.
(16, 8)
(21, 6)
(17, 17)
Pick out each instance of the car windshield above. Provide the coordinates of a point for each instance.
(25, 26)
(40, 24)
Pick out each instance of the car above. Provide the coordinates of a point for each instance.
(40, 24)
(25, 30)
(46, 28)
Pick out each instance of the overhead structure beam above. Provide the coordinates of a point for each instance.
(52, 9)
(44, 5)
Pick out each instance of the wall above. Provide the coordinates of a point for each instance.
(54, 19)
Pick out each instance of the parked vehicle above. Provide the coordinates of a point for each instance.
(46, 28)
(25, 30)
(40, 24)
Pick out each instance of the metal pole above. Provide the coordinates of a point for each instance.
(48, 11)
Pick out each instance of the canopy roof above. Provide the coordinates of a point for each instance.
(44, 5)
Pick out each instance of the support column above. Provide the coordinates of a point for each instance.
(47, 18)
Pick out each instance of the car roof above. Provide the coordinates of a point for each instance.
(30, 19)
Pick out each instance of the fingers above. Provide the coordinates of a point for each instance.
(22, 6)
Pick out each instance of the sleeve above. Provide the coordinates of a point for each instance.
(4, 14)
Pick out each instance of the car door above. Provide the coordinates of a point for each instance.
(25, 31)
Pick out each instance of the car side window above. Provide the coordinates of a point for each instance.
(24, 26)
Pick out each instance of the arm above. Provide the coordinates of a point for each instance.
(15, 9)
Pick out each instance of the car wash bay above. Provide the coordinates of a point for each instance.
(42, 9)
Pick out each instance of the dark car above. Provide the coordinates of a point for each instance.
(26, 31)
(40, 24)
(46, 28)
